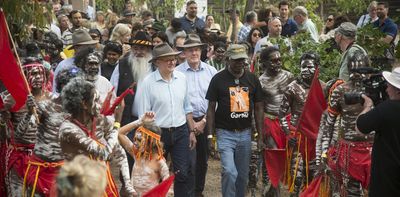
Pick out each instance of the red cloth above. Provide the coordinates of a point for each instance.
(313, 189)
(47, 175)
(3, 166)
(18, 159)
(313, 108)
(111, 188)
(275, 160)
(10, 73)
(358, 157)
(272, 128)
(161, 189)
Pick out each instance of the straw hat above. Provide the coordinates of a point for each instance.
(393, 77)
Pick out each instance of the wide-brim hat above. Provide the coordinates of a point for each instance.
(163, 50)
(82, 37)
(393, 77)
(141, 38)
(193, 40)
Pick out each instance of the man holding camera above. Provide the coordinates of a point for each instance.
(386, 149)
(350, 158)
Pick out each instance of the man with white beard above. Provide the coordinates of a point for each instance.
(132, 68)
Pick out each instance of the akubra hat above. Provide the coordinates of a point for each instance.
(82, 37)
(163, 50)
(193, 40)
(141, 38)
(393, 77)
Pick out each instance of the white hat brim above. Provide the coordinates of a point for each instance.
(390, 79)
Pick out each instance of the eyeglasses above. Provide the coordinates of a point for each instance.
(168, 60)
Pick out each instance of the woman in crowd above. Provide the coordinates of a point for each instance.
(254, 36)
(159, 38)
(100, 22)
(121, 34)
(210, 24)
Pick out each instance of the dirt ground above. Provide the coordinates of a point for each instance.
(213, 181)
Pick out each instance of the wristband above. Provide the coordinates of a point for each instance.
(209, 136)
(117, 125)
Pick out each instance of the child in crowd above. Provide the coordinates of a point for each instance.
(150, 166)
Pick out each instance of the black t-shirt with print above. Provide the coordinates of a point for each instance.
(234, 102)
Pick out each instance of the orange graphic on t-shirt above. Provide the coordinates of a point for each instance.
(239, 97)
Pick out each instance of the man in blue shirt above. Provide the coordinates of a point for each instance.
(289, 26)
(165, 92)
(190, 21)
(198, 75)
(385, 24)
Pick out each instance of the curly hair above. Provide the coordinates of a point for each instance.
(64, 76)
(311, 55)
(81, 177)
(76, 91)
(81, 57)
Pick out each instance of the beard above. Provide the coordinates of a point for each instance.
(140, 67)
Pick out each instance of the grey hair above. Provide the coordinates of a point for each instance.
(250, 15)
(78, 90)
(300, 10)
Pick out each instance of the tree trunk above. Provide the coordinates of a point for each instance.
(234, 22)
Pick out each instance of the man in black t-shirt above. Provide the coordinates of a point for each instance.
(238, 93)
(384, 120)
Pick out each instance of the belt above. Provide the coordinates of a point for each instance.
(236, 130)
(270, 116)
(172, 128)
(198, 118)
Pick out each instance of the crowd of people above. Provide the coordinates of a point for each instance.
(119, 103)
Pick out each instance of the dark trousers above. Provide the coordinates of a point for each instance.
(176, 143)
(201, 159)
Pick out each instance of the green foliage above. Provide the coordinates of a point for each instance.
(369, 38)
(22, 13)
(116, 6)
(353, 6)
(303, 43)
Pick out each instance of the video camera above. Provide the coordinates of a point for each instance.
(374, 86)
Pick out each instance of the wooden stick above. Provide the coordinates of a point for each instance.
(19, 65)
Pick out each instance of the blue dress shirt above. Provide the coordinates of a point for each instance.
(168, 99)
(198, 81)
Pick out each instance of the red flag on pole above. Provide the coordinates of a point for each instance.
(161, 189)
(10, 72)
(313, 189)
(313, 108)
(106, 110)
(275, 160)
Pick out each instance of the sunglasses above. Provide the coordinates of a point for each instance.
(256, 35)
(329, 19)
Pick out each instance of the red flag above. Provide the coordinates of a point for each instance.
(313, 189)
(1, 103)
(161, 189)
(10, 72)
(275, 160)
(118, 100)
(313, 108)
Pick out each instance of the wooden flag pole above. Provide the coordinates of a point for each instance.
(19, 64)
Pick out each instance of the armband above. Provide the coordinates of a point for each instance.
(117, 125)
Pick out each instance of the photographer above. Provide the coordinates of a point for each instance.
(384, 120)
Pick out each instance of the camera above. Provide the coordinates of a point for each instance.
(374, 87)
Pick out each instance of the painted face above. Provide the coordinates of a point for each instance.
(36, 78)
(307, 69)
(274, 63)
(140, 50)
(357, 62)
(92, 67)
